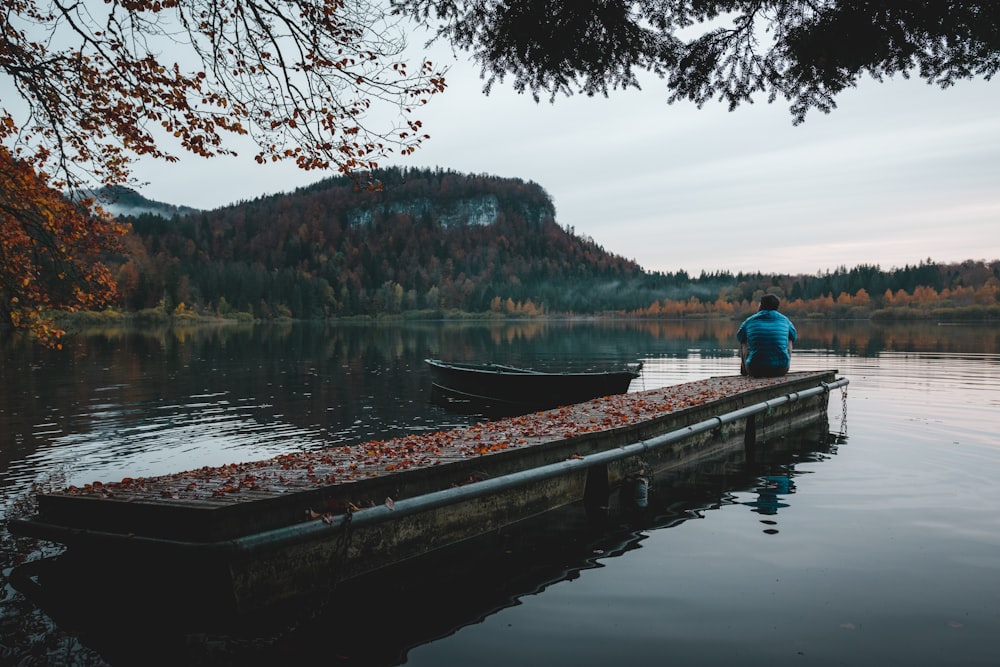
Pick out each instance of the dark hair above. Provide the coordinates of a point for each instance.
(769, 302)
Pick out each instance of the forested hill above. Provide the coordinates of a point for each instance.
(124, 202)
(427, 240)
(435, 241)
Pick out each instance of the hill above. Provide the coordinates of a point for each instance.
(435, 241)
(121, 201)
(426, 240)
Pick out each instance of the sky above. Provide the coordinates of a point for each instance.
(901, 172)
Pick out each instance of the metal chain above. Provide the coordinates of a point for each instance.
(843, 412)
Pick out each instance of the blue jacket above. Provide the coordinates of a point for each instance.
(767, 333)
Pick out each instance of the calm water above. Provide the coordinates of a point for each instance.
(874, 542)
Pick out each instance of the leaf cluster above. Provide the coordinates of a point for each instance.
(90, 86)
(102, 82)
(806, 51)
(52, 251)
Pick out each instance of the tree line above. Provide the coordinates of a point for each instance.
(962, 302)
(95, 87)
(956, 291)
(433, 241)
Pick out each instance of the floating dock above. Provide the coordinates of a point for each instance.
(242, 539)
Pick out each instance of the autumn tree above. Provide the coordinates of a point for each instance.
(50, 251)
(90, 85)
(806, 51)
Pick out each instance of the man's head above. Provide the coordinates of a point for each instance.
(769, 302)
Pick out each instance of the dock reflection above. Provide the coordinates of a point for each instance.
(376, 621)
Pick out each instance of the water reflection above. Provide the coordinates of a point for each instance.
(139, 403)
(126, 403)
(376, 621)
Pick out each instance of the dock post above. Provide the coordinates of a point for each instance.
(750, 436)
(597, 491)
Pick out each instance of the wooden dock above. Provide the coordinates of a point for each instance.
(240, 539)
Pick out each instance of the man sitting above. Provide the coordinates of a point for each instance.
(766, 339)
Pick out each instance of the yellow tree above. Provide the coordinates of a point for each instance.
(989, 293)
(90, 85)
(924, 295)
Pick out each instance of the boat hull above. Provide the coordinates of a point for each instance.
(515, 388)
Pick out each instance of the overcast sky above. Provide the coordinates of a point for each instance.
(900, 172)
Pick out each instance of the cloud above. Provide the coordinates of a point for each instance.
(900, 172)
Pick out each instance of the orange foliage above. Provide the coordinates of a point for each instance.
(299, 471)
(49, 251)
(298, 77)
(988, 294)
(861, 303)
(97, 88)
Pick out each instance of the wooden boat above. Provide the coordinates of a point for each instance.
(510, 388)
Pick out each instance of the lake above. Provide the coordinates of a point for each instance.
(873, 541)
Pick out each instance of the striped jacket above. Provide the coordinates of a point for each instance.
(767, 334)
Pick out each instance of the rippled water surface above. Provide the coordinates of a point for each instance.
(875, 543)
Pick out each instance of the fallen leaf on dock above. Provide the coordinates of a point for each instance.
(344, 464)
